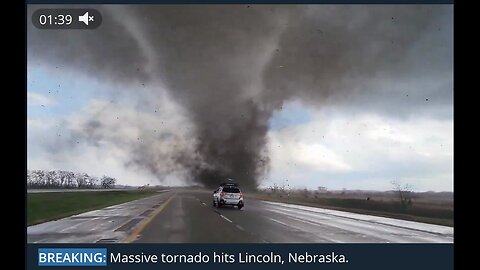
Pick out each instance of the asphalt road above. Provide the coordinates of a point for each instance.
(189, 217)
(108, 225)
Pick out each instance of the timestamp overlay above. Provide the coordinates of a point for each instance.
(86, 18)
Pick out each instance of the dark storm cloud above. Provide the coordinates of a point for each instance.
(110, 50)
(365, 52)
(231, 67)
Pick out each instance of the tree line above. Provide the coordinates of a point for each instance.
(66, 179)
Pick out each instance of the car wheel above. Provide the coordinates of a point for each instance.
(240, 207)
(214, 203)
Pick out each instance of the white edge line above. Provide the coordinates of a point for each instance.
(224, 217)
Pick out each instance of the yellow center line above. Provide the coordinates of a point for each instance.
(138, 229)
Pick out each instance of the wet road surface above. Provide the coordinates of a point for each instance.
(189, 217)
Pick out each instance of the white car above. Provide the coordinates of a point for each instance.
(228, 194)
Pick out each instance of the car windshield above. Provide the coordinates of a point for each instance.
(231, 190)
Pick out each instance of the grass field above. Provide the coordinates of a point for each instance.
(424, 208)
(46, 206)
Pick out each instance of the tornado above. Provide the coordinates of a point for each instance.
(230, 68)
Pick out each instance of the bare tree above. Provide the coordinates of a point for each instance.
(92, 182)
(321, 189)
(404, 193)
(107, 182)
(306, 192)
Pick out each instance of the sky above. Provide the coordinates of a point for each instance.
(342, 97)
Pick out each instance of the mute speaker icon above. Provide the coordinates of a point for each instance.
(85, 18)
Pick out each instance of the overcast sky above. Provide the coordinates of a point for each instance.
(336, 96)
